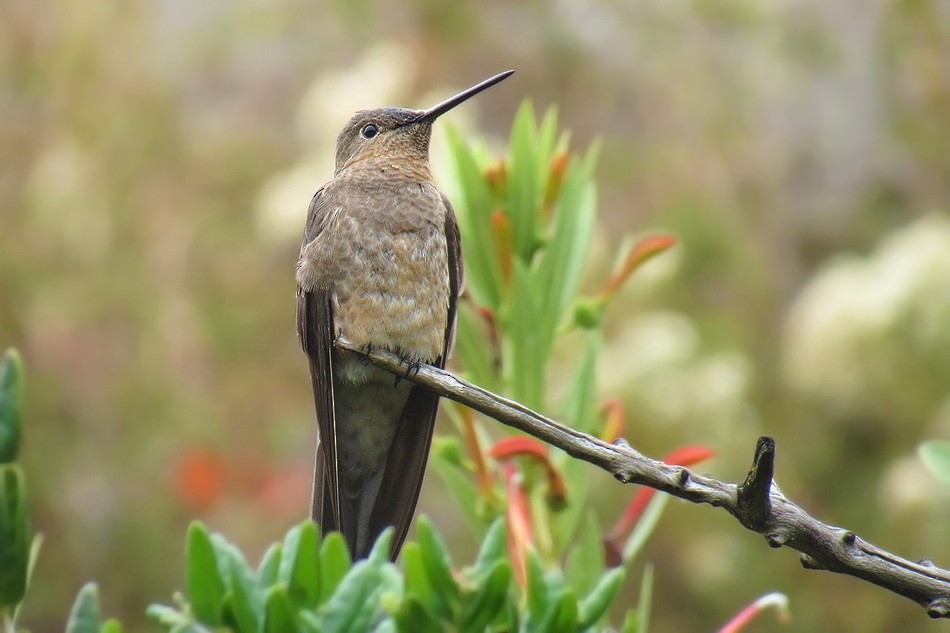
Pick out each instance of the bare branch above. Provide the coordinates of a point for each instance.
(757, 503)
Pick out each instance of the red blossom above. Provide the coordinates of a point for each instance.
(517, 446)
(520, 527)
(521, 446)
(199, 478)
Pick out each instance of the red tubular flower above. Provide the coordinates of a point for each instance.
(517, 446)
(521, 446)
(520, 529)
(777, 601)
(475, 452)
(683, 456)
(641, 252)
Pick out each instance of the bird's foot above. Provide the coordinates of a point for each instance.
(412, 366)
(367, 350)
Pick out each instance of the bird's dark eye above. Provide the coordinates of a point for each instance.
(369, 130)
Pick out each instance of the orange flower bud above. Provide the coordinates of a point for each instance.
(501, 235)
(555, 179)
(496, 175)
(641, 252)
(615, 423)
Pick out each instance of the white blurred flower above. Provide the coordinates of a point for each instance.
(860, 316)
(659, 359)
(325, 108)
(906, 486)
(283, 200)
(62, 174)
(379, 78)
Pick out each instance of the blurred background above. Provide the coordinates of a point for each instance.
(157, 160)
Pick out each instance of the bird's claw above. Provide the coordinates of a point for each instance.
(367, 350)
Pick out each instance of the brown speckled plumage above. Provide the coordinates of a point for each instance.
(381, 265)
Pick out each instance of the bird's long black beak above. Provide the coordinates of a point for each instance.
(440, 109)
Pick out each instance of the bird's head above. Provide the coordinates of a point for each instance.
(397, 135)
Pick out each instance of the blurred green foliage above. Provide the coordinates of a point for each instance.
(16, 542)
(150, 288)
(310, 585)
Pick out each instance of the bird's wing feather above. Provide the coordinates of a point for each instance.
(315, 330)
(405, 465)
(456, 274)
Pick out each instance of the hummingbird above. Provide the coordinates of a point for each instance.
(381, 265)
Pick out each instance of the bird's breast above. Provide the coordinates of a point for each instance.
(387, 265)
(396, 294)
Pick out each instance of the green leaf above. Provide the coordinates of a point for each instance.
(562, 613)
(537, 588)
(484, 604)
(459, 481)
(936, 456)
(382, 547)
(164, 615)
(438, 567)
(482, 268)
(111, 626)
(561, 263)
(523, 183)
(300, 565)
(278, 612)
(580, 405)
(334, 564)
(646, 598)
(11, 405)
(631, 622)
(204, 583)
(244, 604)
(14, 536)
(585, 561)
(414, 572)
(36, 544)
(595, 605)
(269, 568)
(472, 345)
(413, 615)
(547, 134)
(309, 622)
(388, 626)
(493, 547)
(355, 604)
(84, 616)
(576, 474)
(524, 359)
